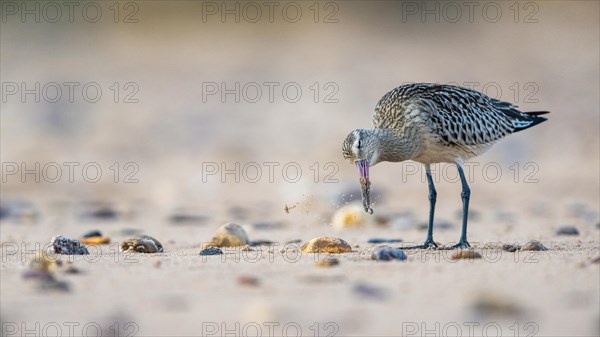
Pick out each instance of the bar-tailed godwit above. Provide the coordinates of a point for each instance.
(433, 123)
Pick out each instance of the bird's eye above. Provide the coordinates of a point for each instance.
(359, 144)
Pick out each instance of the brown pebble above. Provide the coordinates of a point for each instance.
(465, 254)
(326, 245)
(248, 281)
(534, 245)
(328, 262)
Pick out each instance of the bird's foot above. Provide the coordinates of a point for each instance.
(428, 244)
(460, 245)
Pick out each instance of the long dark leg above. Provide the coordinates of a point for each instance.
(465, 195)
(429, 243)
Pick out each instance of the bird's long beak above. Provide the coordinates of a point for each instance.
(365, 184)
(363, 168)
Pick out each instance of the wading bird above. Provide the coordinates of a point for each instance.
(433, 123)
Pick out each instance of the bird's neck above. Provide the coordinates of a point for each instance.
(395, 147)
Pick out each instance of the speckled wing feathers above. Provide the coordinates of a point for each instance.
(458, 116)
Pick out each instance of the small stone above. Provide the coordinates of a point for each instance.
(71, 269)
(386, 253)
(228, 235)
(186, 218)
(67, 246)
(511, 247)
(248, 281)
(328, 262)
(534, 245)
(567, 230)
(261, 243)
(290, 242)
(98, 212)
(596, 260)
(92, 234)
(494, 306)
(45, 280)
(381, 240)
(211, 251)
(96, 240)
(369, 291)
(326, 245)
(142, 244)
(349, 216)
(598, 225)
(267, 225)
(465, 254)
(43, 261)
(156, 264)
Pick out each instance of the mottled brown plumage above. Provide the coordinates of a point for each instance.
(433, 123)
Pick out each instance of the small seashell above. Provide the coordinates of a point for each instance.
(567, 230)
(211, 251)
(386, 253)
(511, 247)
(142, 244)
(228, 235)
(465, 254)
(96, 240)
(43, 261)
(326, 245)
(327, 262)
(349, 216)
(534, 245)
(67, 246)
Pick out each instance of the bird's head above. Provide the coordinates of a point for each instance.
(360, 147)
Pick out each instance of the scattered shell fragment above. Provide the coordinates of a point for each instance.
(327, 262)
(43, 261)
(96, 240)
(386, 253)
(567, 230)
(349, 216)
(142, 244)
(326, 245)
(67, 246)
(228, 235)
(465, 254)
(511, 247)
(211, 251)
(534, 245)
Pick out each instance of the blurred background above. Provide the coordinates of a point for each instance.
(165, 97)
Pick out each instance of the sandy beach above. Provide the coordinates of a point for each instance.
(204, 120)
